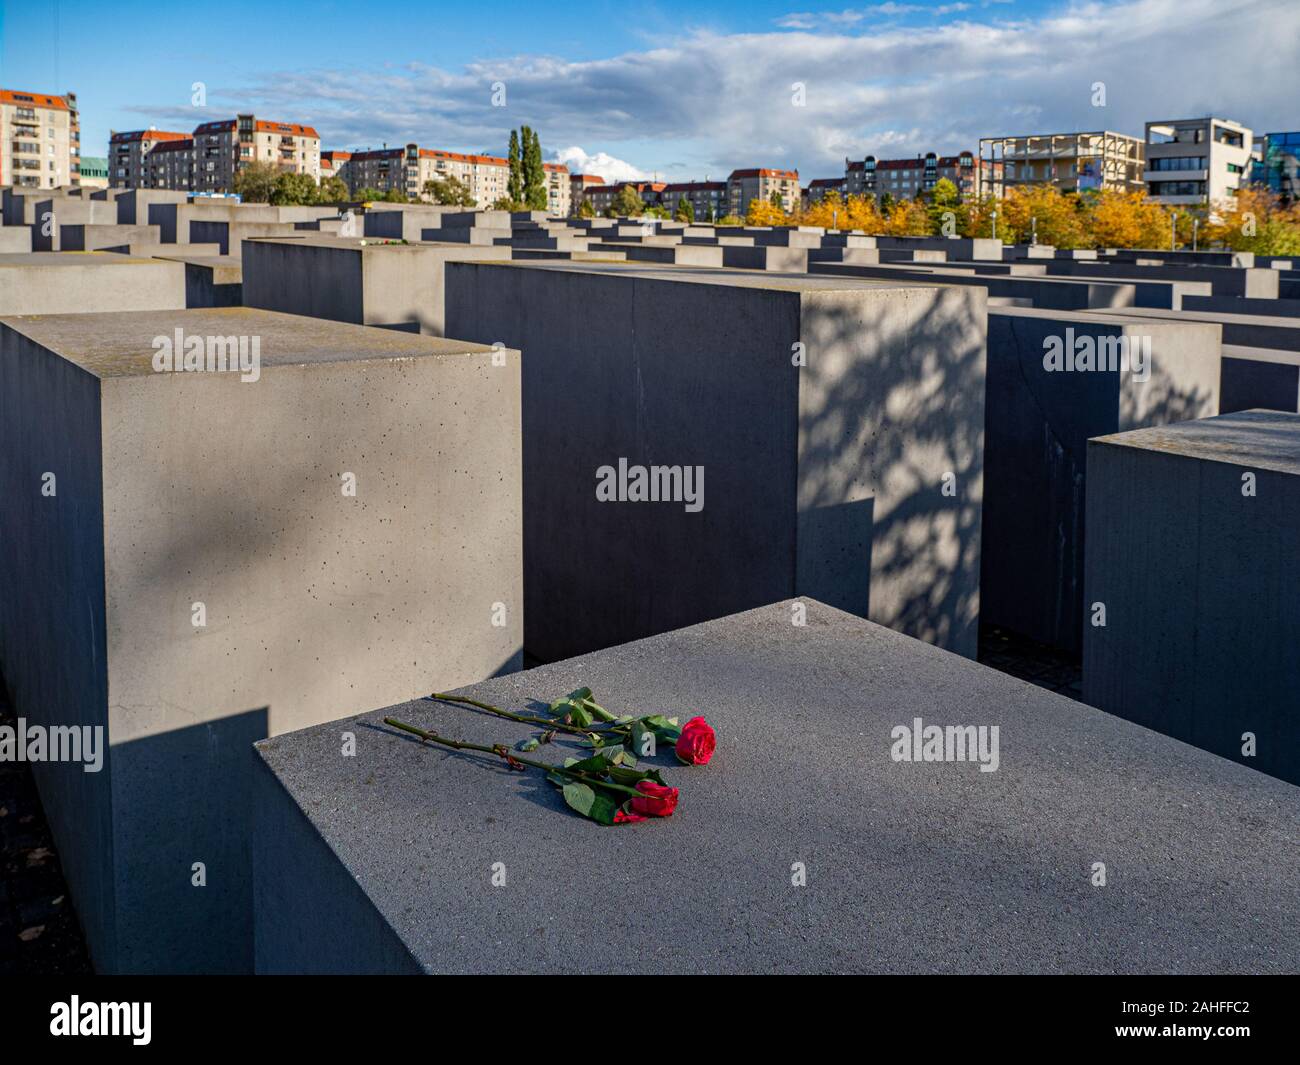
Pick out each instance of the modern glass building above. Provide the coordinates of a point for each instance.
(1278, 164)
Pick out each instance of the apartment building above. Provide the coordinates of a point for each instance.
(1277, 164)
(707, 198)
(744, 186)
(171, 165)
(224, 147)
(578, 186)
(906, 179)
(559, 193)
(651, 193)
(1196, 161)
(335, 164)
(1101, 160)
(817, 189)
(40, 139)
(410, 168)
(128, 157)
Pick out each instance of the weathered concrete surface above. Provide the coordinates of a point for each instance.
(910, 867)
(1037, 424)
(60, 283)
(1192, 552)
(15, 240)
(348, 280)
(401, 221)
(176, 489)
(823, 479)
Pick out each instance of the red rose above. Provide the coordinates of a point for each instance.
(695, 747)
(655, 800)
(623, 818)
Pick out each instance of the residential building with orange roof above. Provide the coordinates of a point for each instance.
(40, 139)
(760, 183)
(129, 165)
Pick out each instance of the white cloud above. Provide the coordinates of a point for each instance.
(706, 102)
(601, 163)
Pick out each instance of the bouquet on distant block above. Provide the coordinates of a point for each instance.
(607, 786)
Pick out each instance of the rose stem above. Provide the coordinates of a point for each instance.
(501, 752)
(527, 719)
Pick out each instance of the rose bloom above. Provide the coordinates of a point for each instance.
(695, 747)
(655, 800)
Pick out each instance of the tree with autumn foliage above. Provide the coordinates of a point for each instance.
(1256, 220)
(1127, 220)
(764, 213)
(1054, 217)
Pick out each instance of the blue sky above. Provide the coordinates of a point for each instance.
(675, 89)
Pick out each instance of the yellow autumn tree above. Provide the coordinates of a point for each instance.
(908, 218)
(864, 215)
(830, 212)
(1255, 220)
(1127, 220)
(765, 213)
(1057, 218)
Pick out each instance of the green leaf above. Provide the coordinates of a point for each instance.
(579, 694)
(586, 801)
(528, 745)
(580, 715)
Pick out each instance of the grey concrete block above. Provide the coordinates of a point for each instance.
(911, 868)
(679, 254)
(1245, 330)
(1037, 424)
(1269, 308)
(349, 280)
(826, 479)
(1059, 294)
(133, 204)
(180, 488)
(1263, 378)
(778, 257)
(212, 280)
(59, 283)
(102, 237)
(1251, 283)
(1191, 550)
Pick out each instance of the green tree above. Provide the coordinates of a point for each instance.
(450, 190)
(585, 209)
(886, 204)
(333, 189)
(255, 182)
(294, 190)
(685, 210)
(395, 196)
(515, 179)
(776, 200)
(369, 194)
(535, 195)
(627, 203)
